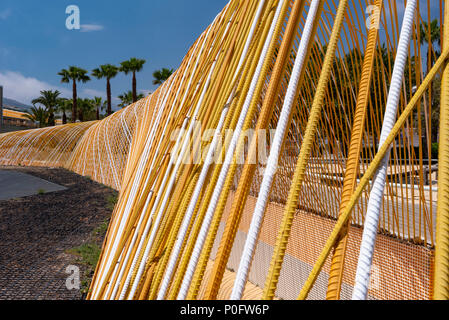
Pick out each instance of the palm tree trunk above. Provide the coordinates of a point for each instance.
(108, 91)
(51, 119)
(98, 113)
(134, 87)
(435, 129)
(64, 118)
(74, 102)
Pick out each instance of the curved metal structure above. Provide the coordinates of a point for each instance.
(252, 172)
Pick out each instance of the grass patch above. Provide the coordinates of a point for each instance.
(101, 229)
(111, 202)
(41, 192)
(88, 255)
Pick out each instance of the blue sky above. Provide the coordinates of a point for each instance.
(35, 43)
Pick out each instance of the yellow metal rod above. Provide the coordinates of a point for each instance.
(353, 161)
(207, 248)
(298, 178)
(369, 173)
(239, 201)
(441, 277)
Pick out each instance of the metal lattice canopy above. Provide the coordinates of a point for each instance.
(319, 180)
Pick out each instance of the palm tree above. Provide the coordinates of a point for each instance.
(38, 114)
(432, 53)
(75, 75)
(99, 105)
(161, 75)
(48, 99)
(107, 71)
(86, 110)
(64, 105)
(127, 98)
(133, 65)
(435, 37)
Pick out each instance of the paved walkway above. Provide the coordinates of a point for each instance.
(14, 184)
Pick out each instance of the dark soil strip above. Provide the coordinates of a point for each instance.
(37, 233)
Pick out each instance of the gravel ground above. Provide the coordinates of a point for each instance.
(36, 233)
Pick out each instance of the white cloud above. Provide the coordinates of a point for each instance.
(91, 27)
(24, 89)
(145, 92)
(90, 93)
(4, 14)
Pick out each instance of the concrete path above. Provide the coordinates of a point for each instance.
(15, 184)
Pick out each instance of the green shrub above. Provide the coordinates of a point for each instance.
(112, 201)
(89, 254)
(435, 150)
(102, 228)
